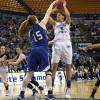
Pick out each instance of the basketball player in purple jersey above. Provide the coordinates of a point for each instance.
(38, 57)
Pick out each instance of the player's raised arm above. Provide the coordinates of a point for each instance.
(67, 13)
(52, 21)
(47, 15)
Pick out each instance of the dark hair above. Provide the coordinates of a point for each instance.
(63, 15)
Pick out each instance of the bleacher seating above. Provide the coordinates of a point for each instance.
(11, 5)
(40, 6)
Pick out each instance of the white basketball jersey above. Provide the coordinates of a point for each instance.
(62, 31)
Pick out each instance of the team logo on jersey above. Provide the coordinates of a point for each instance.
(68, 46)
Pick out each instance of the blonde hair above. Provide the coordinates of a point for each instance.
(32, 19)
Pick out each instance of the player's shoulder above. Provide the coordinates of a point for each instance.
(41, 24)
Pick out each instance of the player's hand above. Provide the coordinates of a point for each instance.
(54, 9)
(64, 4)
(53, 4)
(51, 42)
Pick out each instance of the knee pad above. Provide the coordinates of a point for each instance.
(49, 72)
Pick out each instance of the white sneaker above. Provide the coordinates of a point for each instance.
(6, 92)
(68, 93)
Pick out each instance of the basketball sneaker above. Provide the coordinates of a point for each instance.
(21, 97)
(50, 97)
(68, 93)
(6, 92)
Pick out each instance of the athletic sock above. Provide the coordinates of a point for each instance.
(50, 92)
(68, 83)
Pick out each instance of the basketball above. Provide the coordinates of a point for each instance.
(60, 4)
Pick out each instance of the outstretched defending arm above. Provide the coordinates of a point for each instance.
(47, 15)
(52, 21)
(67, 13)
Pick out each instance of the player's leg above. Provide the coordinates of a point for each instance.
(32, 66)
(25, 84)
(30, 86)
(6, 85)
(97, 84)
(67, 51)
(44, 66)
(4, 79)
(55, 60)
(32, 61)
(49, 84)
(54, 69)
(68, 79)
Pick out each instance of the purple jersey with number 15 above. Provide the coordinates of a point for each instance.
(38, 36)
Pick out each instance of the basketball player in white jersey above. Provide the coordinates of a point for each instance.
(4, 67)
(62, 47)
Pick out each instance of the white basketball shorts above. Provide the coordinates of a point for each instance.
(62, 51)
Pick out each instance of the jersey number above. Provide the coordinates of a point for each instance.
(37, 36)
